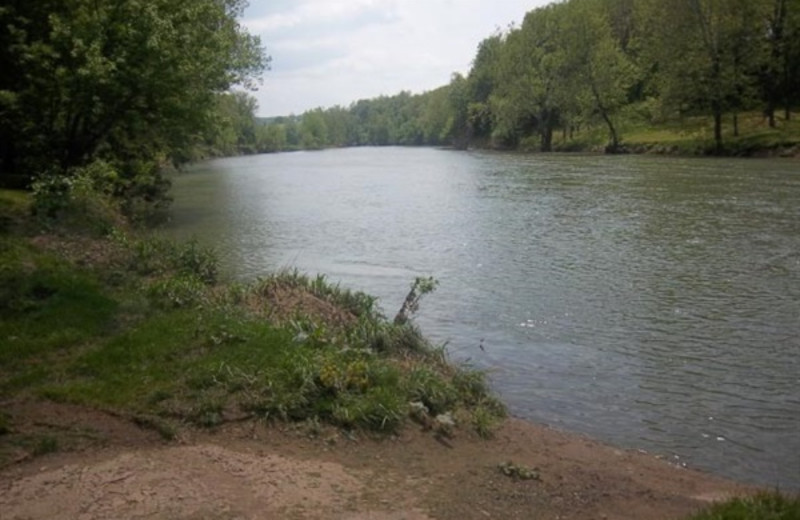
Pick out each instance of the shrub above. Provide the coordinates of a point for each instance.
(80, 200)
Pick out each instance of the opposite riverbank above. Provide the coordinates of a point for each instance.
(134, 383)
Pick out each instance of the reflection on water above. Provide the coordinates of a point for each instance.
(652, 302)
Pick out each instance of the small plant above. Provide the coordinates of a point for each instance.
(80, 199)
(419, 288)
(45, 445)
(176, 292)
(195, 260)
(153, 255)
(485, 417)
(518, 472)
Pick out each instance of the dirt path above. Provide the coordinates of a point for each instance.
(247, 471)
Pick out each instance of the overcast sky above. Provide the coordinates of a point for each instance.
(333, 52)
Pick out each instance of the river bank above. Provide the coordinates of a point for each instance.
(250, 470)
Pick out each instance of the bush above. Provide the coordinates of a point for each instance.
(80, 200)
(143, 190)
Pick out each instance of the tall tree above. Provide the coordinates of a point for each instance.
(697, 45)
(121, 78)
(531, 79)
(781, 66)
(601, 72)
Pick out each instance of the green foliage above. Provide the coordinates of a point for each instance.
(151, 256)
(81, 200)
(762, 506)
(163, 345)
(177, 291)
(131, 82)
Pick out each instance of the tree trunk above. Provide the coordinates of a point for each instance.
(717, 127)
(736, 124)
(547, 138)
(613, 146)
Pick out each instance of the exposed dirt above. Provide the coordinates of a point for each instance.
(249, 471)
(281, 302)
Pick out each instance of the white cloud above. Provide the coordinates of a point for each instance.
(336, 52)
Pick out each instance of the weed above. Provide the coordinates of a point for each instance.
(164, 428)
(208, 414)
(431, 389)
(485, 416)
(177, 291)
(45, 445)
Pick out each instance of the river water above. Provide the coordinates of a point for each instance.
(647, 301)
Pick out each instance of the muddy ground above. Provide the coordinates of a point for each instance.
(105, 466)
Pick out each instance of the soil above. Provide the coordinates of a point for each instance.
(108, 467)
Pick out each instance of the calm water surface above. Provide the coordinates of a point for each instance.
(650, 302)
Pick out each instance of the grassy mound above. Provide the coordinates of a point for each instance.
(142, 326)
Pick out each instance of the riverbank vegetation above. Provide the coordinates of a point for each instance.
(137, 85)
(100, 316)
(678, 76)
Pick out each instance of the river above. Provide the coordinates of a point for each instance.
(651, 302)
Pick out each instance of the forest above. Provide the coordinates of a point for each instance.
(586, 71)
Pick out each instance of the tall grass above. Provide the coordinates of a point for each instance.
(763, 506)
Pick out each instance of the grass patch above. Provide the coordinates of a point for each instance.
(142, 326)
(764, 506)
(688, 135)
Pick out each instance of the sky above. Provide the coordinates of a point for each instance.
(334, 52)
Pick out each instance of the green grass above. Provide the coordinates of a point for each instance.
(764, 506)
(148, 331)
(689, 135)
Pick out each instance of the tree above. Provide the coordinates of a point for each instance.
(314, 131)
(698, 45)
(601, 73)
(119, 79)
(781, 67)
(531, 79)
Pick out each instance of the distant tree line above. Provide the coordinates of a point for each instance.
(579, 64)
